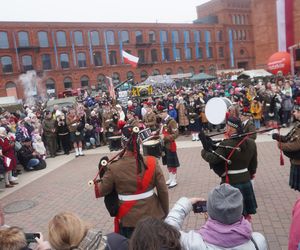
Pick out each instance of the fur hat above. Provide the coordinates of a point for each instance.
(225, 204)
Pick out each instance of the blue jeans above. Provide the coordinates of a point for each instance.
(257, 123)
(32, 163)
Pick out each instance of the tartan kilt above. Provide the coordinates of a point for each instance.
(247, 191)
(295, 177)
(170, 158)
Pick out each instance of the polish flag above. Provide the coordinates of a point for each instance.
(130, 59)
(285, 24)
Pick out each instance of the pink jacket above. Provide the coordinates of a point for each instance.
(294, 238)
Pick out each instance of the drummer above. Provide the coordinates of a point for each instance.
(168, 134)
(150, 118)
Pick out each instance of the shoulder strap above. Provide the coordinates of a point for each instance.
(254, 243)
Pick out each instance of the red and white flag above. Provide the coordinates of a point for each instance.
(285, 24)
(130, 59)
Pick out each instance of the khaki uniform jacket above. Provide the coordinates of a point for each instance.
(247, 158)
(293, 143)
(48, 126)
(72, 123)
(122, 175)
(150, 120)
(172, 128)
(249, 128)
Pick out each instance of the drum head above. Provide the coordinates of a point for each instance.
(215, 110)
(151, 142)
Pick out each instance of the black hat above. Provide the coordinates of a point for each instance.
(234, 122)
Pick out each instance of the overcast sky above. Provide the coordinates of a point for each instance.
(170, 11)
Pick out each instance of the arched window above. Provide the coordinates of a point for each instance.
(113, 57)
(180, 70)
(84, 80)
(212, 70)
(81, 58)
(7, 66)
(192, 70)
(115, 78)
(78, 38)
(152, 38)
(144, 75)
(61, 39)
(23, 39)
(156, 72)
(124, 36)
(11, 89)
(154, 57)
(244, 35)
(168, 71)
(50, 86)
(27, 63)
(202, 69)
(130, 75)
(239, 35)
(95, 38)
(97, 58)
(68, 83)
(64, 61)
(43, 39)
(110, 37)
(138, 37)
(175, 36)
(4, 40)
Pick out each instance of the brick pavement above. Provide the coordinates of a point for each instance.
(66, 189)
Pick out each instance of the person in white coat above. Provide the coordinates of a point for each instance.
(225, 228)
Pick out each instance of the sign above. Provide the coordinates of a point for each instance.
(123, 98)
(280, 61)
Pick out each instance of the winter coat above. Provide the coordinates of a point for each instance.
(182, 115)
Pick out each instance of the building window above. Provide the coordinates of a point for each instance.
(46, 61)
(192, 70)
(95, 38)
(84, 80)
(23, 39)
(68, 83)
(164, 36)
(221, 52)
(97, 58)
(6, 64)
(197, 34)
(64, 61)
(152, 38)
(175, 36)
(210, 52)
(180, 70)
(43, 39)
(81, 58)
(124, 36)
(154, 57)
(188, 54)
(130, 75)
(27, 63)
(187, 36)
(234, 35)
(61, 39)
(110, 37)
(144, 75)
(202, 69)
(113, 57)
(138, 37)
(3, 40)
(200, 53)
(220, 35)
(233, 19)
(236, 19)
(244, 35)
(242, 19)
(156, 72)
(50, 86)
(168, 71)
(78, 38)
(242, 52)
(141, 56)
(239, 34)
(167, 54)
(178, 55)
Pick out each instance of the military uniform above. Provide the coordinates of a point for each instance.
(290, 145)
(241, 170)
(122, 175)
(249, 127)
(49, 132)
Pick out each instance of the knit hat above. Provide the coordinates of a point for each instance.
(225, 204)
(234, 122)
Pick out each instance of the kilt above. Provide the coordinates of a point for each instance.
(247, 191)
(76, 138)
(196, 126)
(295, 177)
(170, 158)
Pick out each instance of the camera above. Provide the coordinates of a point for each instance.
(200, 207)
(30, 237)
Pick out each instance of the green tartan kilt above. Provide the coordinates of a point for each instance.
(295, 177)
(247, 191)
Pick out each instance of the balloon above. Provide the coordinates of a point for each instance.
(280, 61)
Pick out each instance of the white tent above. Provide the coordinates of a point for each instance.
(165, 80)
(254, 73)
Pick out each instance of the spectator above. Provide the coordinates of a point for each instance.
(39, 147)
(68, 231)
(63, 132)
(89, 136)
(49, 128)
(294, 237)
(151, 234)
(22, 132)
(225, 227)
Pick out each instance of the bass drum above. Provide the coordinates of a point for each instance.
(152, 147)
(216, 109)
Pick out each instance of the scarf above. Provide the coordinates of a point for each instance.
(94, 240)
(227, 236)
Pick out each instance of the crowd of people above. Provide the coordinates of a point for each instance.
(134, 187)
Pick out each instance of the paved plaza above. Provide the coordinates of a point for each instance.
(63, 186)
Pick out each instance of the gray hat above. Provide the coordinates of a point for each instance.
(225, 204)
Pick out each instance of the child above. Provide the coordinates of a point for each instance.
(39, 146)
